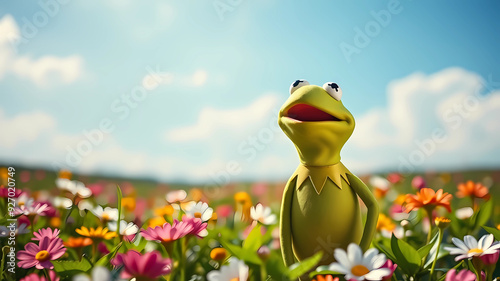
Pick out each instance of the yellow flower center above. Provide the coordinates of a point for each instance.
(105, 217)
(359, 270)
(197, 215)
(235, 279)
(42, 256)
(475, 251)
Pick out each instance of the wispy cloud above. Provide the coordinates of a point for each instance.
(45, 71)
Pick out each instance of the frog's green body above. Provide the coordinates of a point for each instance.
(320, 208)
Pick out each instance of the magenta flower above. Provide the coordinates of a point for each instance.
(418, 182)
(199, 227)
(47, 232)
(40, 256)
(35, 277)
(462, 275)
(143, 267)
(491, 258)
(168, 232)
(391, 266)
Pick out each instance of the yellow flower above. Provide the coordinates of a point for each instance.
(156, 221)
(166, 210)
(96, 233)
(129, 203)
(385, 223)
(442, 222)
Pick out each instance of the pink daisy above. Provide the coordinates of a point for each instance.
(32, 210)
(143, 267)
(47, 232)
(40, 256)
(199, 227)
(168, 232)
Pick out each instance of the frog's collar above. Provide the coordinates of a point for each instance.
(319, 175)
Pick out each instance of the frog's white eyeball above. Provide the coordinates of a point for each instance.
(297, 84)
(333, 90)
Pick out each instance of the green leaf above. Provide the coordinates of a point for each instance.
(298, 269)
(482, 216)
(65, 266)
(240, 253)
(105, 260)
(493, 231)
(254, 239)
(384, 247)
(119, 195)
(424, 251)
(407, 257)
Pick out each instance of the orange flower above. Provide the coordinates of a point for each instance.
(218, 254)
(473, 189)
(78, 242)
(243, 205)
(429, 199)
(325, 278)
(65, 174)
(385, 223)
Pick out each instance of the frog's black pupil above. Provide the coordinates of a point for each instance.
(296, 83)
(334, 86)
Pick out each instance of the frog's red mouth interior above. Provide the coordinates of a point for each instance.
(305, 112)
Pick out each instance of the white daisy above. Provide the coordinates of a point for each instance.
(464, 213)
(357, 266)
(263, 214)
(176, 196)
(62, 202)
(235, 270)
(78, 188)
(125, 228)
(470, 247)
(105, 214)
(199, 210)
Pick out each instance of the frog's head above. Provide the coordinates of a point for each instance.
(317, 122)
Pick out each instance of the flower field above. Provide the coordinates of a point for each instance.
(432, 226)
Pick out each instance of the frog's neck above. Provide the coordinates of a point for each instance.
(314, 156)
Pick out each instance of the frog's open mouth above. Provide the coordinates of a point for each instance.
(308, 113)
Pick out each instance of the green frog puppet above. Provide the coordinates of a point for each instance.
(320, 208)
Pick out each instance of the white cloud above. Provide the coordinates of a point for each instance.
(216, 122)
(44, 71)
(25, 127)
(199, 78)
(436, 121)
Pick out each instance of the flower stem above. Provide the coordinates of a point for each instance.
(437, 254)
(429, 234)
(47, 275)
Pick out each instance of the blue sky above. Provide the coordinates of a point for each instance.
(211, 74)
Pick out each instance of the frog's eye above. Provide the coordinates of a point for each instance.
(297, 84)
(333, 90)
